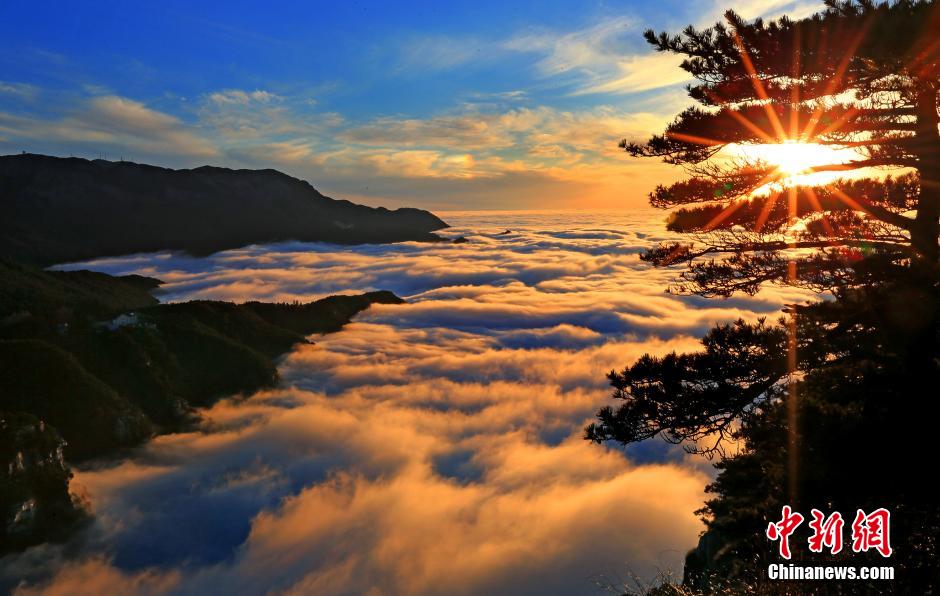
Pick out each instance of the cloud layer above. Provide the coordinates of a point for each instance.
(428, 448)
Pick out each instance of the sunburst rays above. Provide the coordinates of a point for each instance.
(792, 131)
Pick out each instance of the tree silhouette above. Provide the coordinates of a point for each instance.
(858, 76)
(754, 78)
(823, 406)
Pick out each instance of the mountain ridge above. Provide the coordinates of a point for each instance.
(67, 209)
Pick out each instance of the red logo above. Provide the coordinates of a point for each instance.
(870, 531)
(827, 532)
(784, 528)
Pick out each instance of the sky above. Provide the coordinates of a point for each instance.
(457, 105)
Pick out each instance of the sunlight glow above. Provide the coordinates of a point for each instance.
(793, 158)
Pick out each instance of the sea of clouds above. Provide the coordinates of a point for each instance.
(433, 447)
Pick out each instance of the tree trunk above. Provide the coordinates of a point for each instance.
(926, 227)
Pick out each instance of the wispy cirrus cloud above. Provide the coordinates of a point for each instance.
(21, 91)
(240, 97)
(441, 53)
(602, 58)
(769, 9)
(635, 74)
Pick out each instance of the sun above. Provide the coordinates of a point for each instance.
(796, 162)
(793, 158)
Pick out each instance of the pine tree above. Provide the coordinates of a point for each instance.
(826, 405)
(858, 76)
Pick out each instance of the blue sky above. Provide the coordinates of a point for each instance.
(459, 105)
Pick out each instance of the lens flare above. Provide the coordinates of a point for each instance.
(793, 158)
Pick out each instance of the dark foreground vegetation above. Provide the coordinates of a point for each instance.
(834, 406)
(90, 364)
(58, 210)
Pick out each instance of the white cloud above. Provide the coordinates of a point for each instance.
(440, 53)
(770, 9)
(640, 73)
(113, 123)
(240, 97)
(599, 59)
(22, 91)
(260, 118)
(468, 131)
(590, 47)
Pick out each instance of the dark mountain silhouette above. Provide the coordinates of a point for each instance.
(91, 364)
(58, 210)
(79, 348)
